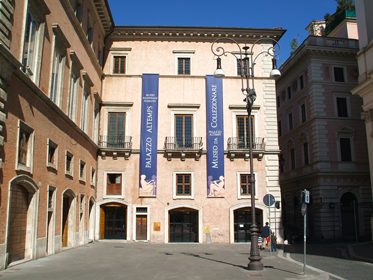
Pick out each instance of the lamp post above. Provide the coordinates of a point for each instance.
(248, 90)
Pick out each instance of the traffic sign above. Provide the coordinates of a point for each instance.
(304, 209)
(269, 200)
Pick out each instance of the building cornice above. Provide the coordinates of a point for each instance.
(194, 33)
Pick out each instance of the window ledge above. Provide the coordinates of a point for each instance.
(22, 167)
(69, 175)
(182, 197)
(52, 166)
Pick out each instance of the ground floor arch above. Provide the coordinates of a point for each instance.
(91, 218)
(349, 215)
(183, 224)
(22, 217)
(68, 218)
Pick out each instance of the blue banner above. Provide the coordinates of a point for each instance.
(149, 136)
(215, 137)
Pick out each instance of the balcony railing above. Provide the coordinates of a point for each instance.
(183, 143)
(236, 143)
(115, 141)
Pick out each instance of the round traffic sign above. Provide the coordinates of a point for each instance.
(269, 200)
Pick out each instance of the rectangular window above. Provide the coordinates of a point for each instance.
(56, 82)
(241, 62)
(79, 11)
(245, 184)
(183, 184)
(83, 122)
(69, 163)
(82, 166)
(114, 184)
(24, 141)
(279, 129)
(30, 45)
(290, 117)
(25, 147)
(301, 82)
(289, 92)
(281, 163)
(339, 74)
(119, 65)
(52, 154)
(50, 199)
(183, 66)
(345, 146)
(73, 86)
(93, 176)
(243, 132)
(292, 159)
(184, 131)
(89, 30)
(116, 130)
(303, 113)
(278, 99)
(342, 109)
(305, 154)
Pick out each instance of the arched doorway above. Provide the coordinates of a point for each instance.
(91, 218)
(113, 221)
(349, 215)
(183, 225)
(23, 205)
(68, 218)
(243, 222)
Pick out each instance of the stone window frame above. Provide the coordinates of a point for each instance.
(236, 58)
(125, 52)
(304, 139)
(92, 177)
(82, 170)
(174, 184)
(344, 73)
(246, 196)
(75, 68)
(345, 95)
(86, 97)
(28, 166)
(105, 195)
(292, 161)
(301, 103)
(60, 44)
(346, 131)
(183, 54)
(69, 172)
(53, 164)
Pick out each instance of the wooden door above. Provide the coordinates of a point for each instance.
(65, 220)
(141, 227)
(17, 223)
(102, 222)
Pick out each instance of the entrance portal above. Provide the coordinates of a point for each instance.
(183, 225)
(242, 224)
(113, 224)
(349, 215)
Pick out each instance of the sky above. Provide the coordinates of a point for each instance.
(291, 15)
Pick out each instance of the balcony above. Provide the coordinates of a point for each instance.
(179, 147)
(116, 145)
(239, 148)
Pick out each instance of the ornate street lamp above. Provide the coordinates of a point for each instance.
(247, 62)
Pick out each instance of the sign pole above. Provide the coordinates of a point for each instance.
(270, 231)
(304, 244)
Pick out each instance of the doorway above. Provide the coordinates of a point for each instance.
(349, 215)
(183, 225)
(113, 222)
(141, 227)
(243, 222)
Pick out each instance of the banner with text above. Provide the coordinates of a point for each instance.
(215, 137)
(149, 136)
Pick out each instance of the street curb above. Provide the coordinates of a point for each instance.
(322, 272)
(352, 254)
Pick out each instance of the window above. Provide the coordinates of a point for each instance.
(245, 184)
(119, 65)
(25, 147)
(339, 74)
(58, 64)
(69, 164)
(183, 185)
(342, 109)
(301, 82)
(279, 129)
(93, 176)
(290, 119)
(90, 25)
(289, 92)
(30, 45)
(303, 113)
(305, 154)
(241, 62)
(184, 131)
(183, 66)
(292, 159)
(345, 148)
(82, 167)
(79, 10)
(52, 155)
(75, 67)
(116, 130)
(114, 184)
(73, 89)
(84, 117)
(50, 199)
(243, 131)
(278, 99)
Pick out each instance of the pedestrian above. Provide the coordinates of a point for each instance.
(273, 241)
(260, 243)
(265, 235)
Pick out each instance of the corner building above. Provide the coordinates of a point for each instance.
(181, 201)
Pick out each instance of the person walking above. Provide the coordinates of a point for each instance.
(273, 241)
(265, 235)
